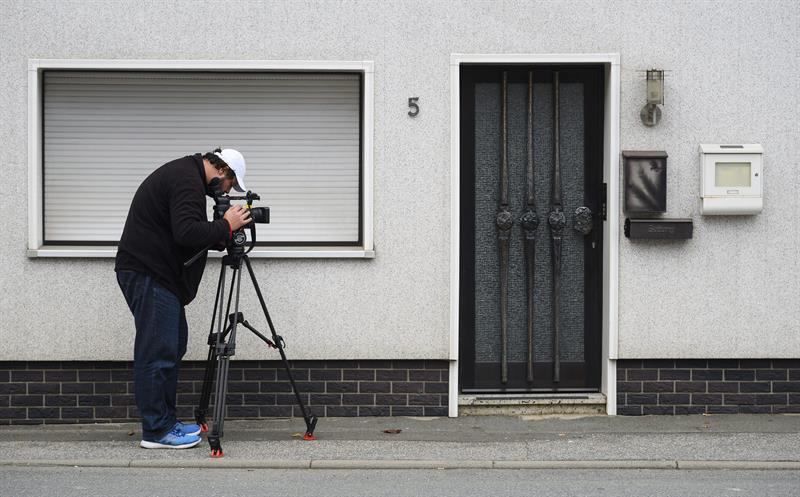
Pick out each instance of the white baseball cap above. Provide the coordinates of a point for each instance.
(235, 161)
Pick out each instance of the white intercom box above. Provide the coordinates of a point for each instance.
(731, 179)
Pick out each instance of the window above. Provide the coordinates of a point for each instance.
(302, 134)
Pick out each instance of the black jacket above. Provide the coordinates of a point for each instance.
(167, 224)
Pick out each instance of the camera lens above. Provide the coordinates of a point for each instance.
(260, 214)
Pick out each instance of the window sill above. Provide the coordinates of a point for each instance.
(257, 253)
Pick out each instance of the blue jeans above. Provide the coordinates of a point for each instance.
(161, 334)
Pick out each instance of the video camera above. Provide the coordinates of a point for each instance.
(222, 202)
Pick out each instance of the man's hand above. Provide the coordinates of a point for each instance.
(237, 216)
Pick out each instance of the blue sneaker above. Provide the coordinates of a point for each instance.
(189, 428)
(174, 439)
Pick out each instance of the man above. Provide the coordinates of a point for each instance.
(167, 224)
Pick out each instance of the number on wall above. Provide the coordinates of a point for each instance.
(412, 104)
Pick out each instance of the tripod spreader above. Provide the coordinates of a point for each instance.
(239, 319)
(222, 345)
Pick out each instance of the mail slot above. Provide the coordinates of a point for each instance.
(659, 229)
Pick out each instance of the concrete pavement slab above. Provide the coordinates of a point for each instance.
(497, 442)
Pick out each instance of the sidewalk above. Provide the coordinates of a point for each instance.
(649, 442)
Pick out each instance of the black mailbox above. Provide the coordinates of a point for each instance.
(645, 181)
(659, 229)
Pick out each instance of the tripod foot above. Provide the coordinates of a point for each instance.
(311, 424)
(216, 448)
(200, 419)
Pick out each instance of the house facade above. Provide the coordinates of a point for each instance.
(474, 205)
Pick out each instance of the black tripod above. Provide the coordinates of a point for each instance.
(222, 344)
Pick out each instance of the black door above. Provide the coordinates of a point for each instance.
(532, 203)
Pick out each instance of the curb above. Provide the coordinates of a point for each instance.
(354, 464)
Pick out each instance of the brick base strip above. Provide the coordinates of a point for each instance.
(37, 392)
(708, 386)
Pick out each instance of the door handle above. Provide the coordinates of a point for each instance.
(582, 220)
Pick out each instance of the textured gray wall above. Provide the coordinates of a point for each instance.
(732, 291)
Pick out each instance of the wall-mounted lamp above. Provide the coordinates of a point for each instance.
(651, 113)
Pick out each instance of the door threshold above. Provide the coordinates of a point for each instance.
(532, 404)
(532, 398)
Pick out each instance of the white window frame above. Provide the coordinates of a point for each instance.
(36, 67)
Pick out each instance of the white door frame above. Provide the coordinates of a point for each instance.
(608, 384)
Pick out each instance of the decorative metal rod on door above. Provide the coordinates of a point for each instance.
(557, 220)
(504, 221)
(530, 222)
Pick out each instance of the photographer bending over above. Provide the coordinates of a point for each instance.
(167, 224)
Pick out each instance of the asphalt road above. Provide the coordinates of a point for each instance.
(130, 482)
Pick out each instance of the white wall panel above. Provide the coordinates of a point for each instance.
(733, 72)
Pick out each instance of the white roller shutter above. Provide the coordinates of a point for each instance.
(104, 132)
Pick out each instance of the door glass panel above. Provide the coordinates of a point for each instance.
(487, 104)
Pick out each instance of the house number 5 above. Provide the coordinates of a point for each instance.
(412, 104)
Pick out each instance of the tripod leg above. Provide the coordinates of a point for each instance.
(311, 421)
(211, 362)
(224, 350)
(205, 397)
